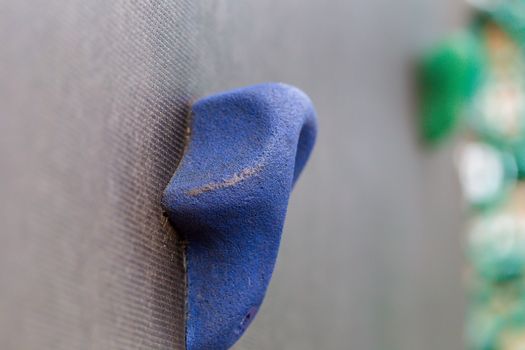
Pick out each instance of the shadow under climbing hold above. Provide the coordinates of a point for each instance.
(229, 197)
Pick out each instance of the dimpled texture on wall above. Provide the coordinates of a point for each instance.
(93, 105)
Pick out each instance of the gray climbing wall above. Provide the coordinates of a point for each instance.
(93, 101)
(371, 254)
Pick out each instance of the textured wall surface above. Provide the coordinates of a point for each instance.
(93, 103)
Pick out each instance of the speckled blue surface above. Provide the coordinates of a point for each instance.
(229, 198)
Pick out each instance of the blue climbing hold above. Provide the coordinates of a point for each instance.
(228, 198)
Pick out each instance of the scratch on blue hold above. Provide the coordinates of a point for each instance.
(232, 181)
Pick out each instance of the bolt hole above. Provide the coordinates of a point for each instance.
(247, 320)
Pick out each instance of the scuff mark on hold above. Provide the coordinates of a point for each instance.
(229, 182)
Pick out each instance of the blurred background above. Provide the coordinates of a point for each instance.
(93, 99)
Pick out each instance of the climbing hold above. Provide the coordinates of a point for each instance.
(228, 198)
